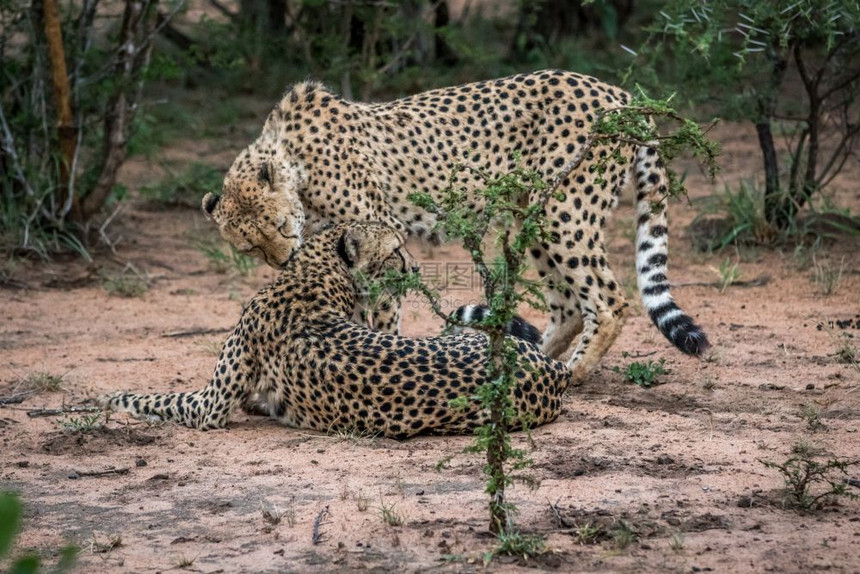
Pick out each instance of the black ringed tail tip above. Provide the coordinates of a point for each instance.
(517, 327)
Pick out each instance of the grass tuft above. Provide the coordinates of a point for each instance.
(128, 283)
(515, 543)
(389, 515)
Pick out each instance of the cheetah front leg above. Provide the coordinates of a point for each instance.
(383, 314)
(565, 321)
(388, 314)
(209, 408)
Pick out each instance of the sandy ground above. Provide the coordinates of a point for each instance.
(678, 464)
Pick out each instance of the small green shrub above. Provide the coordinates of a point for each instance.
(846, 352)
(128, 283)
(810, 484)
(623, 535)
(588, 533)
(642, 374)
(42, 382)
(733, 217)
(83, 424)
(515, 543)
(812, 415)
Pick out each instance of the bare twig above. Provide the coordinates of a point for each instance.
(224, 10)
(57, 412)
(395, 59)
(96, 473)
(757, 282)
(640, 355)
(554, 507)
(195, 332)
(15, 398)
(104, 226)
(10, 151)
(316, 537)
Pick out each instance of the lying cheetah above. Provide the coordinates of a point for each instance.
(322, 158)
(296, 348)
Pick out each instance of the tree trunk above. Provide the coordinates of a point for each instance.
(424, 46)
(444, 53)
(277, 16)
(496, 451)
(772, 203)
(133, 53)
(774, 211)
(800, 192)
(67, 134)
(548, 21)
(814, 126)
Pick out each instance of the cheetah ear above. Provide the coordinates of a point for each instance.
(266, 173)
(210, 202)
(347, 247)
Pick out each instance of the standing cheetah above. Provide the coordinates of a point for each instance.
(321, 158)
(297, 350)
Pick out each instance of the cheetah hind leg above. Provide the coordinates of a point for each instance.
(255, 405)
(604, 311)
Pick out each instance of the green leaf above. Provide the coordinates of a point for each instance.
(10, 516)
(25, 565)
(68, 558)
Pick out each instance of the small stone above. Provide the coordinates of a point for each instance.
(810, 386)
(140, 462)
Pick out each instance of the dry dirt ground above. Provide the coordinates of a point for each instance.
(675, 470)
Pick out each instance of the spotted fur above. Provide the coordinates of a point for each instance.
(296, 350)
(328, 159)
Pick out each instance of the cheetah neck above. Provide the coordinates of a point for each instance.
(321, 284)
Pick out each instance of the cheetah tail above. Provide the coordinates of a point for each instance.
(652, 255)
(517, 327)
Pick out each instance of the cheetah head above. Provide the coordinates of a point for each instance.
(370, 250)
(259, 211)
